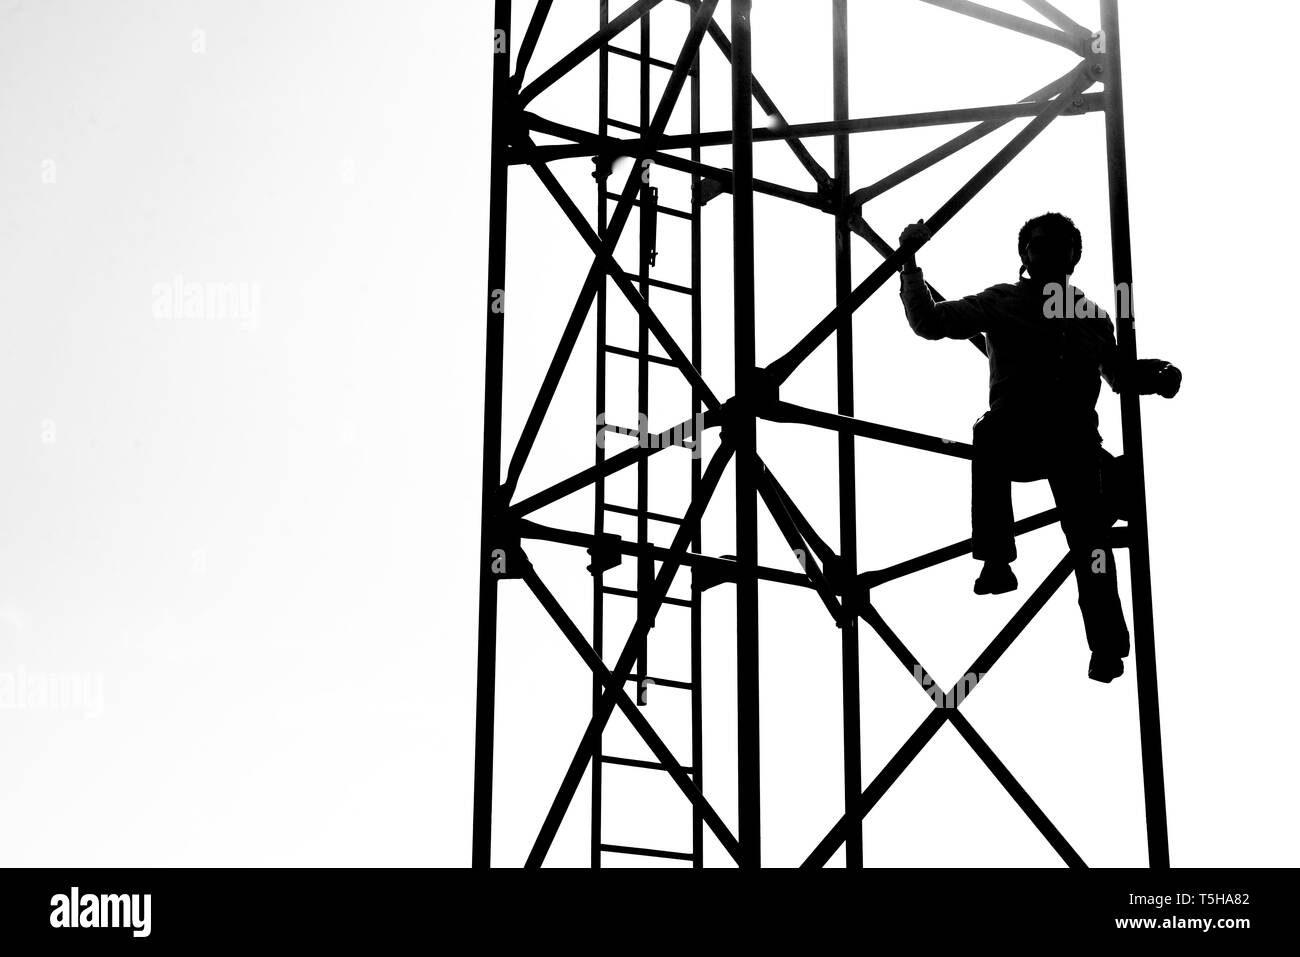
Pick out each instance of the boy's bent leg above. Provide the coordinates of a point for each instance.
(992, 539)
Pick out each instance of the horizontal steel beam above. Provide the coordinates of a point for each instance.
(723, 568)
(592, 144)
(616, 146)
(789, 412)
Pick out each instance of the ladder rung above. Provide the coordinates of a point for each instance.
(646, 852)
(666, 210)
(626, 593)
(632, 55)
(620, 125)
(664, 682)
(653, 516)
(637, 763)
(633, 354)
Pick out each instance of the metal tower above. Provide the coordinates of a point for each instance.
(843, 587)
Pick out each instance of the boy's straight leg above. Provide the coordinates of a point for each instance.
(1075, 477)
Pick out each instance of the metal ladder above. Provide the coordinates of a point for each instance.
(677, 691)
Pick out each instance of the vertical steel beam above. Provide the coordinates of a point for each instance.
(697, 408)
(1153, 777)
(743, 431)
(602, 334)
(848, 565)
(645, 572)
(493, 506)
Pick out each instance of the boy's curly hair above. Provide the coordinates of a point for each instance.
(1059, 225)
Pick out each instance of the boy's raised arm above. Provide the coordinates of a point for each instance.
(953, 319)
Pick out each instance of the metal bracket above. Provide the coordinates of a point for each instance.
(607, 554)
(708, 576)
(709, 189)
(505, 555)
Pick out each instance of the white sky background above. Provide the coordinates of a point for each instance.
(257, 537)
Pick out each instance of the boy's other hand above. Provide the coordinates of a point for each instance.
(1157, 377)
(1169, 379)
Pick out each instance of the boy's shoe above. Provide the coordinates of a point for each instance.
(1105, 668)
(996, 578)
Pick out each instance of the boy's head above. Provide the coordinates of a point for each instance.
(1050, 247)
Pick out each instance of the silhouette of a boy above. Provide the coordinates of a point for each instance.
(1048, 348)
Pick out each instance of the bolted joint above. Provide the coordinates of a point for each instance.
(503, 553)
(1095, 69)
(767, 392)
(607, 553)
(844, 582)
(515, 117)
(828, 192)
(759, 402)
(707, 189)
(1096, 59)
(604, 165)
(727, 415)
(854, 599)
(711, 574)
